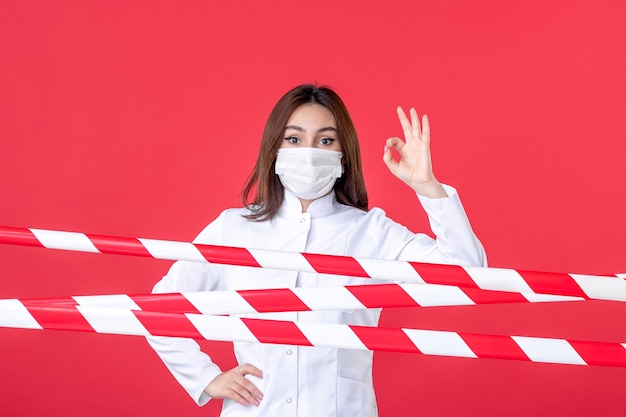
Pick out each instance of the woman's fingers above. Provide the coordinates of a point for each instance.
(415, 122)
(395, 143)
(250, 369)
(244, 392)
(413, 129)
(414, 166)
(425, 128)
(234, 385)
(392, 143)
(407, 127)
(249, 388)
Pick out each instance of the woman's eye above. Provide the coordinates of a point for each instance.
(292, 139)
(327, 141)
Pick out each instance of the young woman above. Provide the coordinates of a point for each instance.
(307, 194)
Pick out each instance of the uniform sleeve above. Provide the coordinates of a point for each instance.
(454, 243)
(192, 368)
(455, 240)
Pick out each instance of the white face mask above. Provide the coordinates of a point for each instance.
(309, 173)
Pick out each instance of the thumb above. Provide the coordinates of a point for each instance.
(389, 160)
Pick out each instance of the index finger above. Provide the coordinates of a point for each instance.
(248, 368)
(404, 122)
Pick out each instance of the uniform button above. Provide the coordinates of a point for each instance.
(302, 220)
(288, 400)
(289, 352)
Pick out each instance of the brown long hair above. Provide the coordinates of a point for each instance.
(269, 192)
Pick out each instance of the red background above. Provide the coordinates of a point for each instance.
(143, 118)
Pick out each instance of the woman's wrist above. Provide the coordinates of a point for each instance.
(431, 189)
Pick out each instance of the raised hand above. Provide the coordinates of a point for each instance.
(233, 385)
(415, 166)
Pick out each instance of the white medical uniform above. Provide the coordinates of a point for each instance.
(309, 381)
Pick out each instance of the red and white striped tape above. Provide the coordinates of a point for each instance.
(427, 342)
(296, 299)
(497, 279)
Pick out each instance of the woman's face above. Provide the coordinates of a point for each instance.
(311, 125)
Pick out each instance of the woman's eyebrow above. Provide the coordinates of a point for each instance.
(300, 129)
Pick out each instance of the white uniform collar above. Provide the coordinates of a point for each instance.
(292, 208)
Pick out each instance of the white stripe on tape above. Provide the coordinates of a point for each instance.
(281, 260)
(64, 240)
(219, 302)
(499, 279)
(327, 298)
(613, 288)
(546, 298)
(164, 249)
(113, 321)
(548, 350)
(331, 336)
(14, 314)
(390, 270)
(110, 301)
(436, 342)
(430, 295)
(222, 328)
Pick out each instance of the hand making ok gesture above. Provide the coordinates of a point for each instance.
(415, 166)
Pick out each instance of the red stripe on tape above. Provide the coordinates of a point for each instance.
(65, 317)
(444, 274)
(164, 324)
(18, 236)
(598, 353)
(387, 339)
(268, 300)
(337, 265)
(552, 283)
(494, 346)
(274, 331)
(119, 245)
(383, 295)
(227, 255)
(170, 303)
(493, 297)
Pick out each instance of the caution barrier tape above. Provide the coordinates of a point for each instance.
(192, 314)
(427, 342)
(297, 299)
(496, 279)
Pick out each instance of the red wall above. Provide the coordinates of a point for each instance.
(143, 118)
